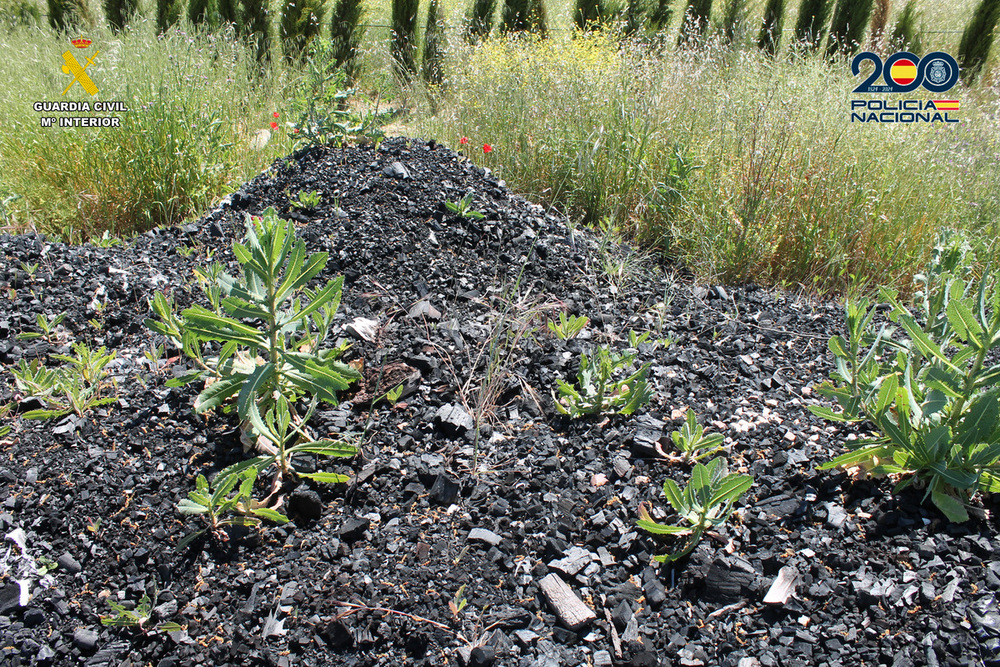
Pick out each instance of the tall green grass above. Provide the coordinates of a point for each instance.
(196, 104)
(789, 191)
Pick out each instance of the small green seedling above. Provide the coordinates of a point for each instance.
(692, 441)
(106, 240)
(568, 327)
(392, 396)
(46, 324)
(220, 509)
(597, 392)
(707, 502)
(306, 200)
(139, 617)
(458, 604)
(463, 208)
(30, 269)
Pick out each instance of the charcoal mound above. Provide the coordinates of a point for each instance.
(525, 515)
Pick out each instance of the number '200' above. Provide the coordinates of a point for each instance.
(936, 71)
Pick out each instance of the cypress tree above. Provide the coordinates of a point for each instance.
(811, 23)
(480, 20)
(695, 19)
(524, 16)
(974, 50)
(906, 33)
(660, 15)
(880, 19)
(404, 36)
(770, 29)
(848, 26)
(346, 33)
(228, 13)
(197, 11)
(433, 65)
(301, 22)
(733, 15)
(119, 12)
(256, 27)
(168, 12)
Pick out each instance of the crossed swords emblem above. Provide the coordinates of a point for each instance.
(73, 67)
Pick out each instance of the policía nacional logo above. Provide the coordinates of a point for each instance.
(77, 70)
(905, 72)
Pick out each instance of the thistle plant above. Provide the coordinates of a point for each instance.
(75, 387)
(138, 617)
(707, 502)
(692, 441)
(598, 392)
(227, 502)
(463, 208)
(930, 389)
(568, 327)
(278, 357)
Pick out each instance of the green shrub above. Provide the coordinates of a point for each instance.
(812, 22)
(346, 33)
(480, 20)
(404, 37)
(707, 502)
(301, 22)
(434, 44)
(977, 39)
(770, 29)
(221, 510)
(905, 35)
(932, 392)
(847, 28)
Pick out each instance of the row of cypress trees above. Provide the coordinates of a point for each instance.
(842, 23)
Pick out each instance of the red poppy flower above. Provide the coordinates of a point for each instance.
(276, 114)
(463, 140)
(274, 126)
(296, 130)
(487, 148)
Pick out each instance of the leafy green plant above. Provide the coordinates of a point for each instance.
(46, 324)
(568, 327)
(227, 502)
(707, 501)
(930, 393)
(692, 441)
(597, 391)
(75, 387)
(319, 110)
(463, 208)
(29, 268)
(278, 359)
(106, 240)
(391, 396)
(457, 604)
(137, 617)
(306, 199)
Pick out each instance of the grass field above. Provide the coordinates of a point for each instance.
(744, 167)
